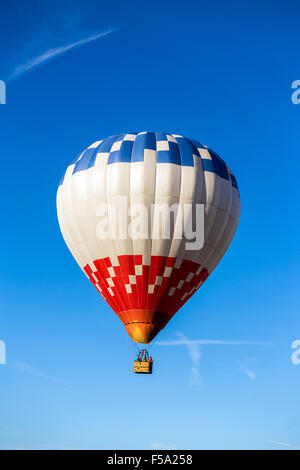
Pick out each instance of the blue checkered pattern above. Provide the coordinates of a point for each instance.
(169, 149)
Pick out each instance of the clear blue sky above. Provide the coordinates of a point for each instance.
(219, 72)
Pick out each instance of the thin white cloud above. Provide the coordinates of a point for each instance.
(250, 373)
(246, 369)
(51, 53)
(192, 346)
(284, 444)
(188, 342)
(28, 368)
(195, 376)
(243, 366)
(195, 355)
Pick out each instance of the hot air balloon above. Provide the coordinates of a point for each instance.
(147, 275)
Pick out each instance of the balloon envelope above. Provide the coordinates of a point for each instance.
(147, 268)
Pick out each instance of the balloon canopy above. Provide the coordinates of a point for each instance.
(147, 216)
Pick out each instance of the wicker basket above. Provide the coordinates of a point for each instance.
(143, 367)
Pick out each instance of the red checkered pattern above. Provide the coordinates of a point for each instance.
(164, 286)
